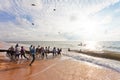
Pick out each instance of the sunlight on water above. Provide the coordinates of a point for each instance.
(93, 46)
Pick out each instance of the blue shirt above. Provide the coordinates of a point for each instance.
(32, 51)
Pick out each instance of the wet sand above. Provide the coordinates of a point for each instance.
(59, 68)
(55, 69)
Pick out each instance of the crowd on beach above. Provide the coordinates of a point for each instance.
(16, 53)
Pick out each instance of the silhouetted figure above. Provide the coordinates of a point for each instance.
(54, 51)
(16, 45)
(68, 49)
(59, 51)
(42, 52)
(37, 51)
(46, 51)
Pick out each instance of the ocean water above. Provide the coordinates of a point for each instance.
(76, 45)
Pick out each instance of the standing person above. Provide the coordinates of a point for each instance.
(23, 52)
(48, 49)
(46, 52)
(37, 51)
(32, 51)
(17, 53)
(54, 51)
(42, 52)
(30, 48)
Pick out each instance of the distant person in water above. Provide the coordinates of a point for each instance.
(32, 51)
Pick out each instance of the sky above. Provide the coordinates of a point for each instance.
(60, 20)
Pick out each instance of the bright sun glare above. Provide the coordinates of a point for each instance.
(88, 28)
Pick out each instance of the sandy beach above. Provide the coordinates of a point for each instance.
(58, 68)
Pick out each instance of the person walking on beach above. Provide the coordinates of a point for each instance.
(32, 51)
(23, 53)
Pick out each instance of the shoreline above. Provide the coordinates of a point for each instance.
(105, 54)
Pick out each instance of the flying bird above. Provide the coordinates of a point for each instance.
(32, 23)
(54, 9)
(33, 4)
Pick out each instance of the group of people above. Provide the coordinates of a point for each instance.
(41, 52)
(15, 53)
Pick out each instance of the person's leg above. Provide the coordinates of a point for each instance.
(32, 59)
(53, 54)
(25, 56)
(21, 56)
(46, 55)
(42, 55)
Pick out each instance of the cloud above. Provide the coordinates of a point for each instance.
(107, 19)
(71, 19)
(4, 5)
